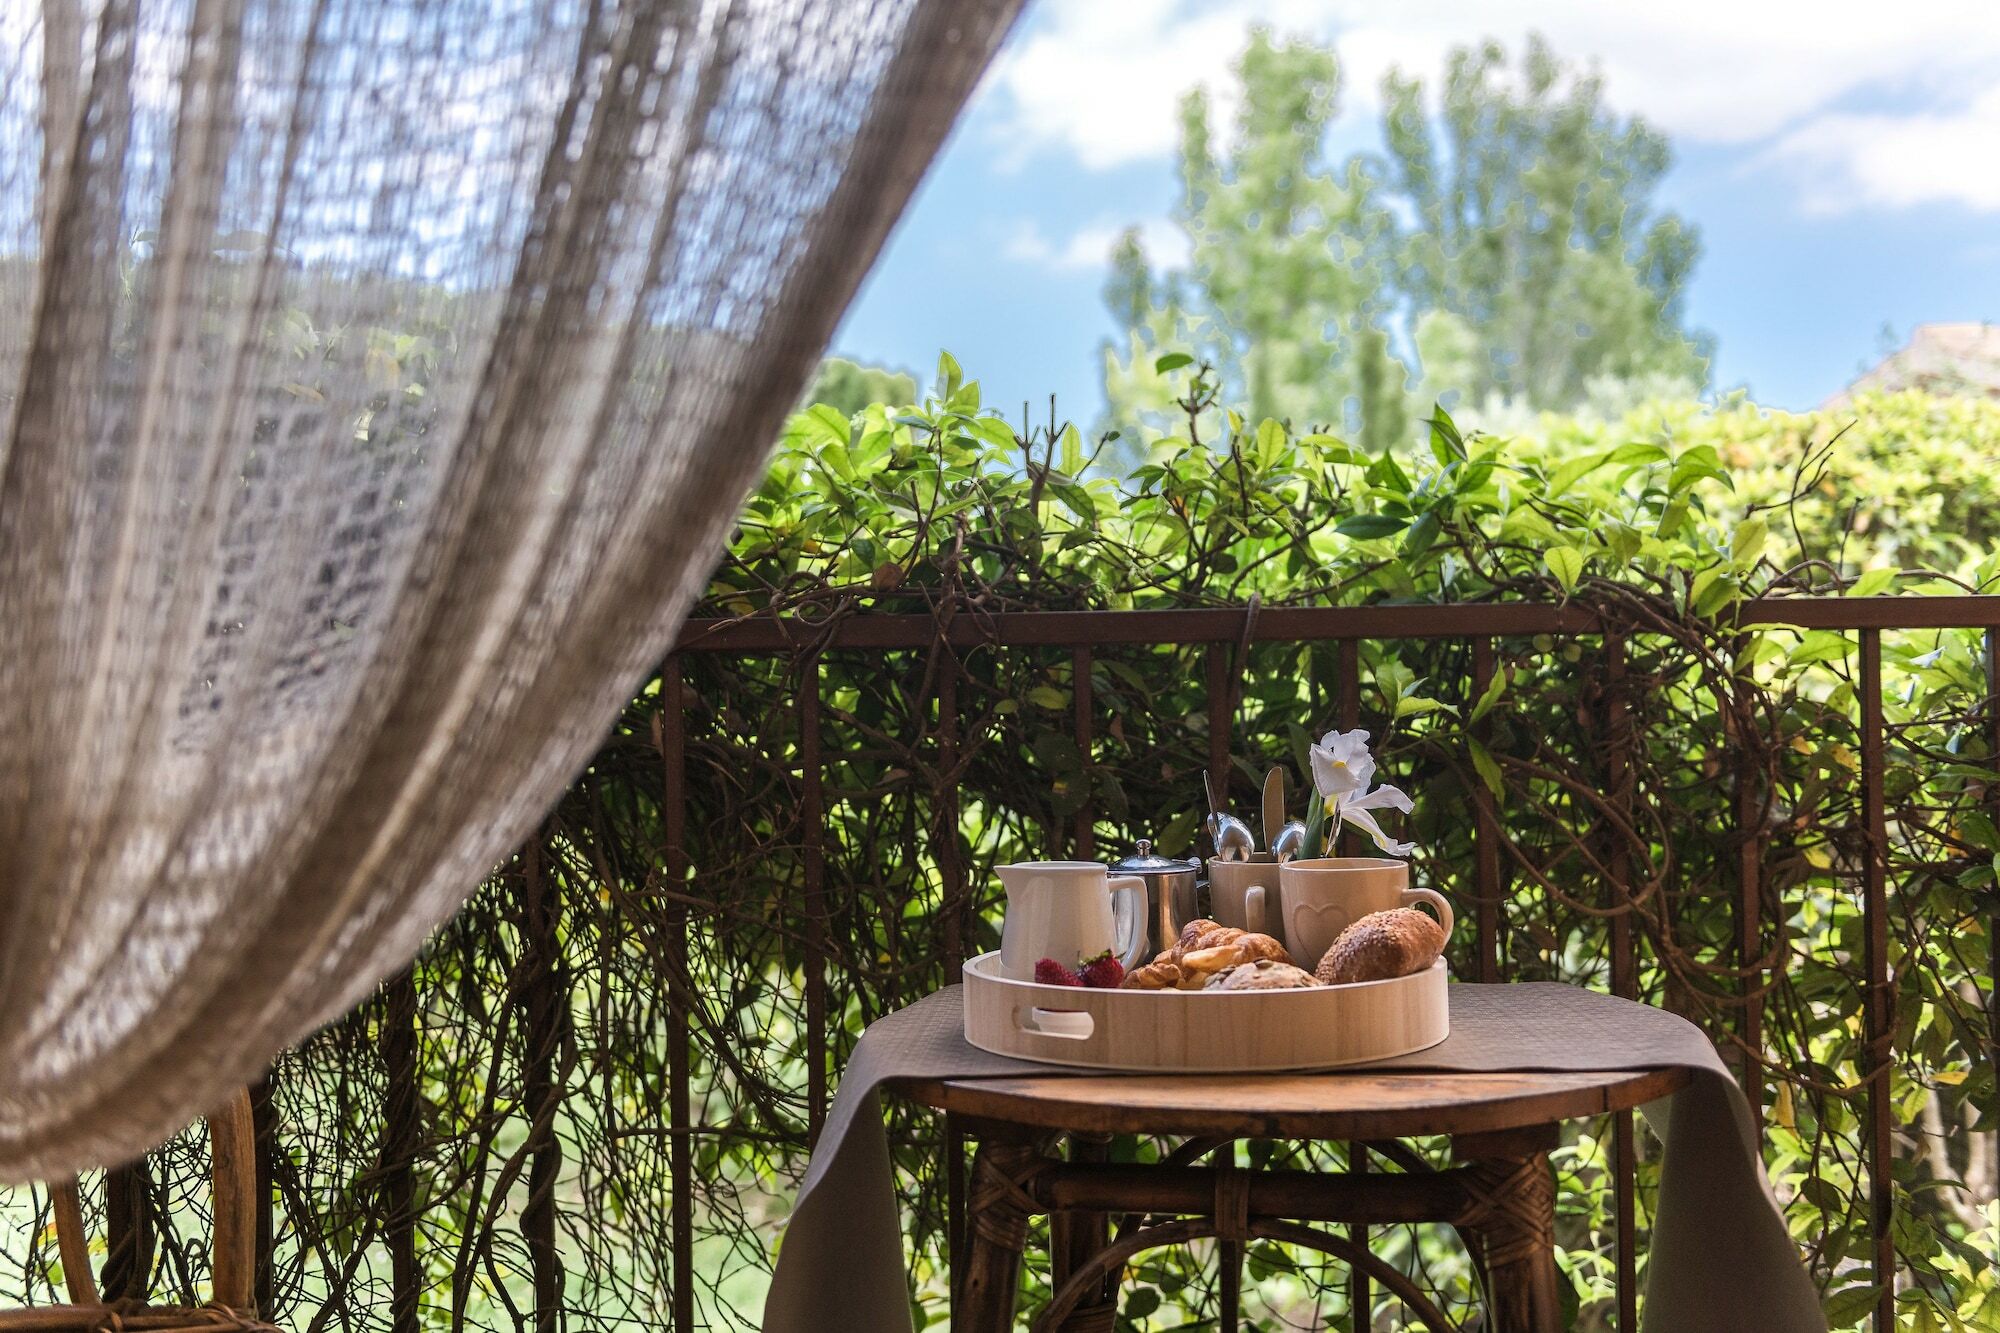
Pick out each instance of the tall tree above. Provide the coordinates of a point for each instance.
(1284, 288)
(1505, 246)
(1533, 258)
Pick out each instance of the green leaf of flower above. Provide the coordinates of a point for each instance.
(1565, 564)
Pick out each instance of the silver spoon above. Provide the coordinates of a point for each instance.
(1230, 836)
(1291, 840)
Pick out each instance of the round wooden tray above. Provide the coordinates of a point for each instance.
(1213, 1032)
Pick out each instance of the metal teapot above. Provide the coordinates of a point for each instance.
(1172, 896)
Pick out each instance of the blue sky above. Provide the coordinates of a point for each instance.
(1842, 161)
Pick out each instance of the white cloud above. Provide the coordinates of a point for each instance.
(1089, 246)
(1841, 159)
(1101, 81)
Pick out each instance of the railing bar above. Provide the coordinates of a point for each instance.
(671, 737)
(954, 897)
(264, 1126)
(128, 1233)
(1486, 835)
(812, 815)
(1347, 655)
(1084, 833)
(954, 1201)
(1347, 658)
(956, 913)
(1218, 718)
(1278, 624)
(402, 1131)
(1624, 981)
(1993, 800)
(1749, 906)
(543, 1012)
(1877, 996)
(1360, 1289)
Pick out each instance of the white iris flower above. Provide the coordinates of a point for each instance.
(1342, 769)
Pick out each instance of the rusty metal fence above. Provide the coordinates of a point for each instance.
(1223, 634)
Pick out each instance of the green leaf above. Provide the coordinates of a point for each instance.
(1270, 442)
(1422, 533)
(994, 431)
(1576, 469)
(1626, 455)
(818, 425)
(1746, 544)
(1850, 1305)
(1364, 527)
(1487, 767)
(1048, 696)
(1332, 449)
(1820, 645)
(1315, 839)
(949, 375)
(1873, 582)
(1171, 361)
(1415, 705)
(1071, 446)
(1447, 445)
(1491, 694)
(1565, 563)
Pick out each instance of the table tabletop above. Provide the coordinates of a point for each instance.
(1351, 1105)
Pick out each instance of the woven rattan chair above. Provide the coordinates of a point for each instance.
(233, 1254)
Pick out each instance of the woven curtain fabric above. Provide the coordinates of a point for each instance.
(379, 380)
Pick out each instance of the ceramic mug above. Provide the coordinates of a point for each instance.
(1321, 897)
(1244, 894)
(1070, 911)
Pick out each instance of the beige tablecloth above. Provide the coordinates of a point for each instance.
(1721, 1259)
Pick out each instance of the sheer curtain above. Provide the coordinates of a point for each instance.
(378, 382)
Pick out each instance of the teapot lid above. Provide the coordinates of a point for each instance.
(1145, 861)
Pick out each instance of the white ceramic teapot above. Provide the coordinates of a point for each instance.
(1070, 911)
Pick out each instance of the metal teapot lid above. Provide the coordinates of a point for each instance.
(1144, 861)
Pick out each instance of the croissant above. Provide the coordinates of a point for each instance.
(1382, 945)
(1163, 973)
(1194, 930)
(1204, 948)
(1242, 948)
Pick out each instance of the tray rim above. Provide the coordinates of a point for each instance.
(993, 1007)
(990, 976)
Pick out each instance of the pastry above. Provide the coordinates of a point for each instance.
(1163, 973)
(1264, 974)
(1242, 947)
(1203, 950)
(1382, 945)
(1194, 930)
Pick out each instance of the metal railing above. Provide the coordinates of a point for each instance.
(1227, 630)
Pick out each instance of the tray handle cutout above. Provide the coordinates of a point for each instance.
(1071, 1024)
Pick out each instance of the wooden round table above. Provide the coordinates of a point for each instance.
(1500, 1195)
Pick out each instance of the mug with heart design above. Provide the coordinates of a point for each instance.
(1321, 897)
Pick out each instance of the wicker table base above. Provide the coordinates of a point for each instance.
(1500, 1194)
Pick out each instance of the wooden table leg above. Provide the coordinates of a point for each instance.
(1075, 1237)
(1509, 1224)
(997, 1212)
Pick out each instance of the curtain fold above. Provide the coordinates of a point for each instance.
(379, 380)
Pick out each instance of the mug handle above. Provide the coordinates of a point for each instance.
(1256, 910)
(1436, 900)
(1132, 924)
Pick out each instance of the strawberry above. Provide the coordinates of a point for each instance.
(1048, 972)
(1103, 972)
